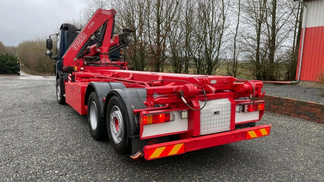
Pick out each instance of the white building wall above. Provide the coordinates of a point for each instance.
(315, 13)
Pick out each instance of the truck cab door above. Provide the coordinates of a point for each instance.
(66, 36)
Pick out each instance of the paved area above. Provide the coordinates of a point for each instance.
(43, 141)
(295, 91)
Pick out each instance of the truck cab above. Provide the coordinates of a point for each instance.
(64, 39)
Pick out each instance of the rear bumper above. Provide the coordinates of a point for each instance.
(196, 143)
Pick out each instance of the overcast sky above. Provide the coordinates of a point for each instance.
(22, 20)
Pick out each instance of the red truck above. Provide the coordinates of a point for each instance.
(149, 114)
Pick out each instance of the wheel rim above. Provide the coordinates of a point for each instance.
(58, 92)
(93, 115)
(116, 124)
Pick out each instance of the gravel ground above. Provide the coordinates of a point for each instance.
(44, 141)
(294, 91)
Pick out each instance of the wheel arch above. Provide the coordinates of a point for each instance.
(132, 99)
(57, 76)
(102, 89)
(62, 76)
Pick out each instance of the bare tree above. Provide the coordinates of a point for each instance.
(31, 54)
(270, 20)
(254, 17)
(188, 29)
(163, 13)
(175, 41)
(278, 31)
(232, 67)
(92, 7)
(192, 35)
(133, 14)
(209, 31)
(3, 49)
(11, 50)
(296, 23)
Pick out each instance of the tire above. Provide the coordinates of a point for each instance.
(97, 124)
(59, 95)
(116, 119)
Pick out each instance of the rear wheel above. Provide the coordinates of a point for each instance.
(97, 125)
(59, 95)
(116, 125)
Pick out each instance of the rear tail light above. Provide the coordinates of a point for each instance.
(249, 107)
(261, 107)
(157, 118)
(255, 107)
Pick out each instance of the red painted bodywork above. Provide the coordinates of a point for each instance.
(153, 112)
(313, 55)
(202, 142)
(74, 95)
(163, 89)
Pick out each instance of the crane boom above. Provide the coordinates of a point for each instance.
(101, 17)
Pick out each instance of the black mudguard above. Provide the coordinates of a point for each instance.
(62, 76)
(133, 98)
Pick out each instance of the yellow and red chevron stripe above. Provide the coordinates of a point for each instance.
(166, 151)
(258, 133)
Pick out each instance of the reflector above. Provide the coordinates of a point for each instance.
(255, 107)
(258, 133)
(149, 119)
(261, 107)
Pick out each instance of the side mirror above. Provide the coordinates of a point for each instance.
(49, 44)
(49, 53)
